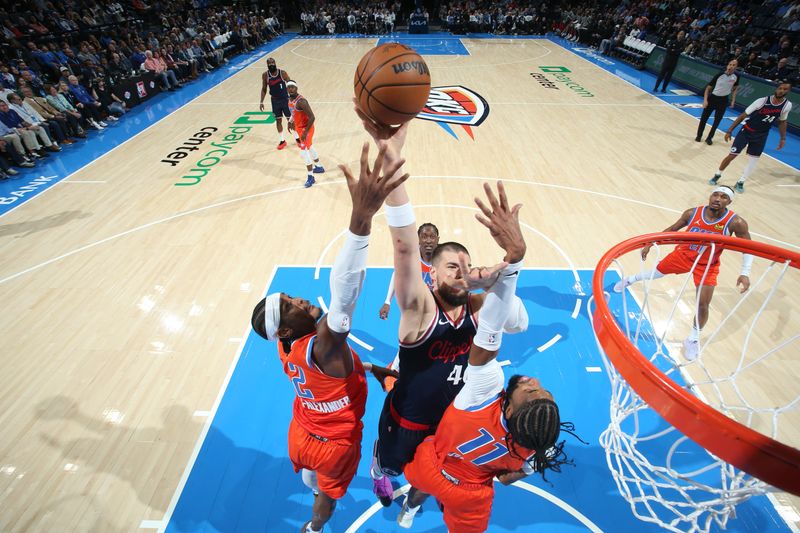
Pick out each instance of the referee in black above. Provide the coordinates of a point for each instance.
(673, 47)
(716, 99)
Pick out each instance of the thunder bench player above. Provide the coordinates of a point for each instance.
(328, 377)
(758, 119)
(436, 328)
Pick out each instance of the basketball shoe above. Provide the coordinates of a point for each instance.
(281, 145)
(691, 349)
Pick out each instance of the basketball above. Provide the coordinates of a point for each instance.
(392, 83)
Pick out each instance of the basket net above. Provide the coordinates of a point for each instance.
(689, 440)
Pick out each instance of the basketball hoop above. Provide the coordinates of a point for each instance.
(659, 402)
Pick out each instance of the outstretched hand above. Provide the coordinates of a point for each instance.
(474, 278)
(743, 282)
(394, 136)
(374, 184)
(503, 222)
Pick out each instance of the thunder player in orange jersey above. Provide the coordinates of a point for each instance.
(487, 431)
(713, 218)
(428, 241)
(327, 375)
(302, 122)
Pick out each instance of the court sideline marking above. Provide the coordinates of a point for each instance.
(338, 182)
(164, 522)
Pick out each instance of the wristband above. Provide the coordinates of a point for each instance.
(398, 216)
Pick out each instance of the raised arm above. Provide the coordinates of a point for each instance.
(410, 290)
(367, 193)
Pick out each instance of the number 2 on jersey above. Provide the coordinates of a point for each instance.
(456, 376)
(298, 381)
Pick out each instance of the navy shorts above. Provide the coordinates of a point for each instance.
(280, 108)
(396, 445)
(755, 143)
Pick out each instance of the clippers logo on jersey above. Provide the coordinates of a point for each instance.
(455, 105)
(448, 351)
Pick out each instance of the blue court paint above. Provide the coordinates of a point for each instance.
(430, 46)
(72, 158)
(243, 481)
(790, 154)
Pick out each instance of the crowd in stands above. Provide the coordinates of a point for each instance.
(372, 18)
(764, 37)
(501, 18)
(59, 62)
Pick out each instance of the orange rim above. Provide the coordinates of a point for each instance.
(757, 454)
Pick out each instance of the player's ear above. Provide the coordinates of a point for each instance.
(284, 332)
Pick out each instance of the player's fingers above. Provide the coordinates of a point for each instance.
(365, 159)
(396, 182)
(491, 197)
(376, 169)
(484, 221)
(515, 211)
(348, 176)
(495, 269)
(392, 168)
(463, 264)
(482, 207)
(501, 191)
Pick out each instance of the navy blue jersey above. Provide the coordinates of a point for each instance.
(432, 368)
(766, 112)
(277, 86)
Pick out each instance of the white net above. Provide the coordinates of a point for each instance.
(746, 368)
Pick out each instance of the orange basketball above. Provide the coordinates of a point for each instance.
(392, 83)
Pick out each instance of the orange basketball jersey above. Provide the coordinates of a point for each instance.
(471, 444)
(326, 406)
(299, 118)
(699, 224)
(426, 273)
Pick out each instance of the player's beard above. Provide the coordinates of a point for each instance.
(452, 296)
(272, 69)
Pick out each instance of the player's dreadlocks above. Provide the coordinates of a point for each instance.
(537, 426)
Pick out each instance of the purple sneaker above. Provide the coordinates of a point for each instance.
(383, 490)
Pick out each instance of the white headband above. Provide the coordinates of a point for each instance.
(272, 315)
(291, 84)
(727, 191)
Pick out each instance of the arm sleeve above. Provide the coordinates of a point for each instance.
(785, 112)
(756, 105)
(482, 384)
(517, 321)
(390, 292)
(347, 276)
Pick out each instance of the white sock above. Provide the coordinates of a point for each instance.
(411, 511)
(280, 134)
(751, 166)
(309, 529)
(314, 154)
(375, 471)
(695, 334)
(647, 274)
(718, 174)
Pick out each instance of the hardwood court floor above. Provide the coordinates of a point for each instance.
(124, 301)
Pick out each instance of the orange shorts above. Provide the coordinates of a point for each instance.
(679, 262)
(335, 461)
(466, 508)
(309, 137)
